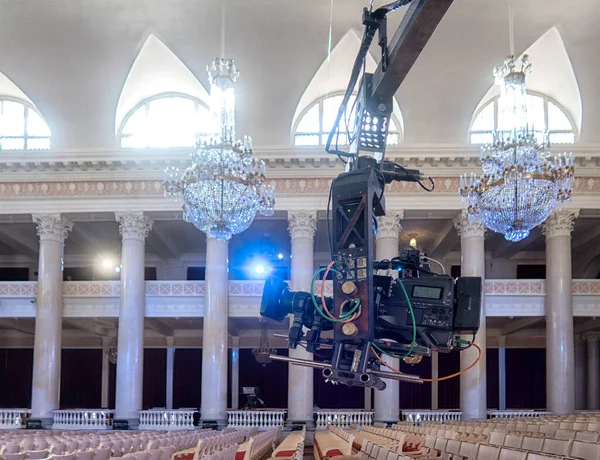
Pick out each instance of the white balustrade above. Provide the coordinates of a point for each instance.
(83, 419)
(13, 419)
(517, 413)
(441, 416)
(261, 419)
(163, 419)
(343, 418)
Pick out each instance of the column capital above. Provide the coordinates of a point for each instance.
(389, 225)
(302, 224)
(133, 225)
(52, 227)
(467, 228)
(560, 223)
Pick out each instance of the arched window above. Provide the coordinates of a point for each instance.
(543, 114)
(22, 127)
(166, 120)
(316, 122)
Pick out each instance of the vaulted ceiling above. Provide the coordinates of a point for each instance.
(72, 58)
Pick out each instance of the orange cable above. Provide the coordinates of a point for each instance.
(439, 379)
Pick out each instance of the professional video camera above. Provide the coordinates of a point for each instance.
(408, 311)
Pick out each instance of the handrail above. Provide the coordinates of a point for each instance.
(82, 419)
(167, 419)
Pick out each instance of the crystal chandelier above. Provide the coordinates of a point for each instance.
(224, 187)
(522, 182)
(263, 352)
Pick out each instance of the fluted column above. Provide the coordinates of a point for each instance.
(473, 396)
(387, 402)
(215, 343)
(593, 371)
(52, 230)
(302, 226)
(170, 370)
(560, 355)
(134, 228)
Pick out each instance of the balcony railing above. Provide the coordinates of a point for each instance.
(261, 419)
(425, 415)
(343, 418)
(13, 419)
(164, 419)
(83, 419)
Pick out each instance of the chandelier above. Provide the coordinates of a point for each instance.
(263, 352)
(522, 182)
(224, 187)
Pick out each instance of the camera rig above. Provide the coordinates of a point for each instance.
(408, 310)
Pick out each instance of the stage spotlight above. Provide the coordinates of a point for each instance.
(280, 256)
(106, 263)
(259, 269)
(117, 269)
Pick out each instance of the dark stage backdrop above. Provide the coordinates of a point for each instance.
(16, 368)
(80, 378)
(449, 390)
(155, 378)
(329, 396)
(493, 385)
(416, 395)
(526, 378)
(187, 378)
(272, 379)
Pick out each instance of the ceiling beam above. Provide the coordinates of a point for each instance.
(160, 327)
(587, 326)
(163, 244)
(446, 237)
(94, 329)
(518, 324)
(17, 325)
(507, 249)
(20, 243)
(83, 237)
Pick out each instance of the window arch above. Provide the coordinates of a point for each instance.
(314, 125)
(544, 114)
(165, 120)
(22, 127)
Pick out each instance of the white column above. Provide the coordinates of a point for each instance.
(215, 334)
(580, 373)
(302, 226)
(52, 230)
(134, 227)
(560, 354)
(473, 396)
(502, 373)
(170, 369)
(387, 402)
(593, 372)
(368, 399)
(105, 372)
(435, 404)
(235, 373)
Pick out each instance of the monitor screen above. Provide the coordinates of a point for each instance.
(427, 292)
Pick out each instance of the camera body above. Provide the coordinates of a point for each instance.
(412, 313)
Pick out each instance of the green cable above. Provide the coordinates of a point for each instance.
(343, 317)
(414, 323)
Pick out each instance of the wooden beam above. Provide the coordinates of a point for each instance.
(20, 244)
(508, 249)
(518, 324)
(18, 325)
(158, 326)
(93, 329)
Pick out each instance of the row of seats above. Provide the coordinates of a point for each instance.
(332, 443)
(292, 447)
(259, 445)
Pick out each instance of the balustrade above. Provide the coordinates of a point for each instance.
(13, 419)
(418, 416)
(343, 418)
(83, 419)
(517, 413)
(261, 419)
(163, 419)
